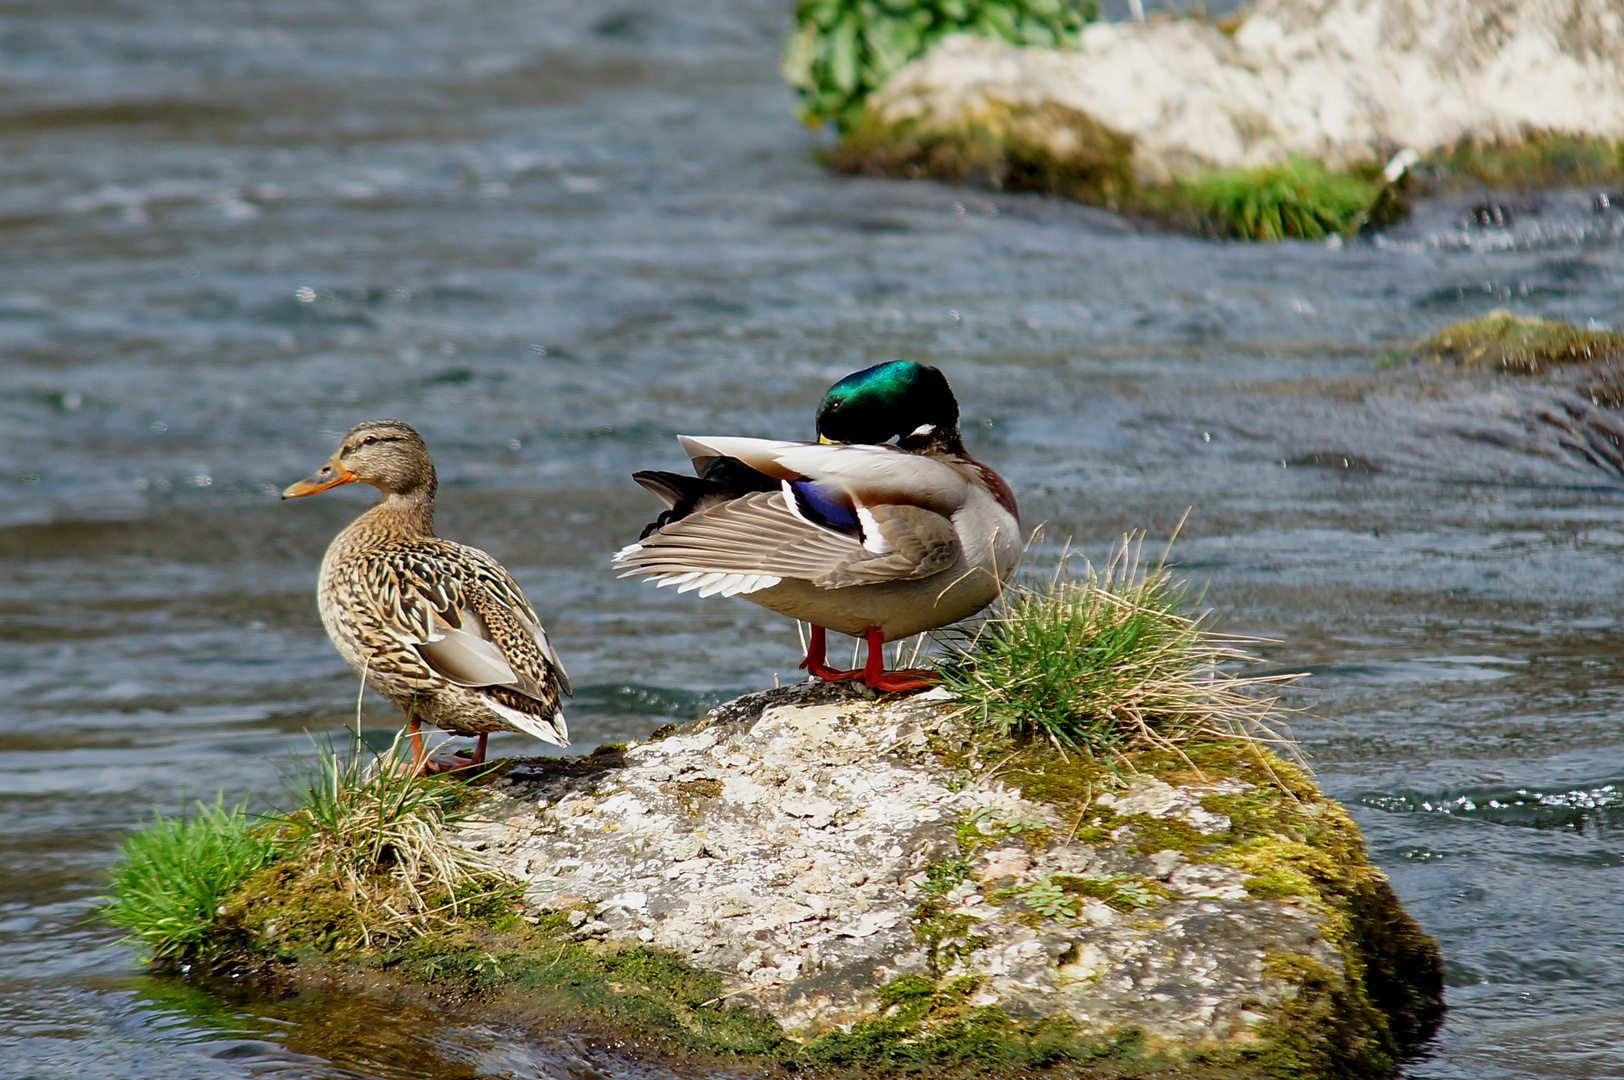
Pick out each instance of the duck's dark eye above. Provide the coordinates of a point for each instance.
(369, 440)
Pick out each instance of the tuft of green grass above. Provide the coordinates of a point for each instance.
(1521, 345)
(173, 873)
(1294, 199)
(844, 50)
(377, 831)
(1107, 664)
(363, 854)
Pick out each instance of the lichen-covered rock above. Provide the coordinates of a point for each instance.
(835, 856)
(1520, 345)
(1340, 81)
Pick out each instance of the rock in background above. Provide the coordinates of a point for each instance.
(1343, 82)
(837, 860)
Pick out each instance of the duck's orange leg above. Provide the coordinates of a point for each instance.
(816, 663)
(420, 753)
(875, 675)
(423, 765)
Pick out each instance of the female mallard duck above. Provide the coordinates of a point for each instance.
(876, 541)
(438, 628)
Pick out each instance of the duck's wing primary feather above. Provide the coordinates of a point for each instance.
(755, 541)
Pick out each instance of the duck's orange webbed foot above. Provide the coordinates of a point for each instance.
(875, 675)
(902, 679)
(423, 765)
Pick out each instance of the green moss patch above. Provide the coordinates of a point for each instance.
(945, 935)
(1539, 159)
(645, 991)
(931, 1023)
(1292, 844)
(1057, 896)
(1517, 344)
(1045, 148)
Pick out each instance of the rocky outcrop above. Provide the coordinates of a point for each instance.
(1340, 81)
(846, 862)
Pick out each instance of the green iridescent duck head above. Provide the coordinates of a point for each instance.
(902, 400)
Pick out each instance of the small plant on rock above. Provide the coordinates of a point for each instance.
(843, 50)
(173, 873)
(1049, 898)
(943, 877)
(1107, 664)
(1131, 893)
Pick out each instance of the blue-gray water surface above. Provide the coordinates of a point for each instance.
(553, 235)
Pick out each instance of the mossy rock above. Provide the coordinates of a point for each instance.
(1048, 148)
(1045, 148)
(1517, 344)
(987, 907)
(1293, 845)
(1539, 159)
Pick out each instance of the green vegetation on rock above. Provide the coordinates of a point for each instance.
(843, 50)
(376, 833)
(362, 855)
(1105, 664)
(1291, 200)
(931, 1022)
(1539, 159)
(1521, 345)
(174, 872)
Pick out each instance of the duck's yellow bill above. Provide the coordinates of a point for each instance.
(329, 475)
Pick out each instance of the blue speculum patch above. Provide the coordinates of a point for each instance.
(825, 507)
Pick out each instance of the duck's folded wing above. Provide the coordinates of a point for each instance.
(512, 625)
(468, 620)
(754, 542)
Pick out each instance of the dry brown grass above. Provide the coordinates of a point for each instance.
(369, 826)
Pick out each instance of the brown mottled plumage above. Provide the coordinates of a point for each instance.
(438, 628)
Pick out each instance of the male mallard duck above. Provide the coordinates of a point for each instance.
(849, 533)
(438, 628)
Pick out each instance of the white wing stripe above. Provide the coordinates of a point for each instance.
(704, 582)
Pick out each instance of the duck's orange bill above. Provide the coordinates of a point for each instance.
(329, 475)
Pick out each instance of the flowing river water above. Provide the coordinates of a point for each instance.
(552, 235)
